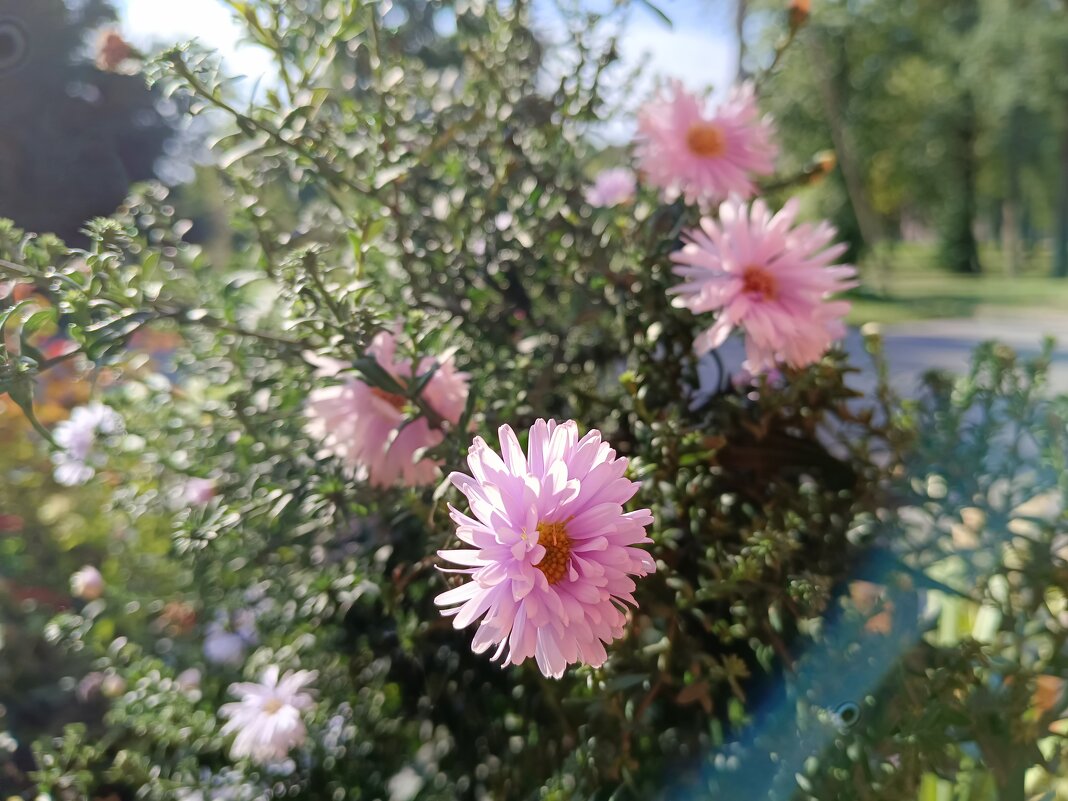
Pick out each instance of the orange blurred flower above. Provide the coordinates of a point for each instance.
(112, 51)
(177, 618)
(799, 13)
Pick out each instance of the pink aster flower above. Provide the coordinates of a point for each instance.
(612, 187)
(552, 551)
(705, 157)
(366, 427)
(268, 717)
(769, 277)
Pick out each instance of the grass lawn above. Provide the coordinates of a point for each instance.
(915, 289)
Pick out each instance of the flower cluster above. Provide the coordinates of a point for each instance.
(760, 272)
(553, 558)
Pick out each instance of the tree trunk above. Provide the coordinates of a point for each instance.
(960, 251)
(1012, 786)
(1060, 241)
(1061, 234)
(1011, 238)
(832, 70)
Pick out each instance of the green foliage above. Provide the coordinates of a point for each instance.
(949, 113)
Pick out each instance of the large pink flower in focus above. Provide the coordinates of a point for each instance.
(704, 157)
(771, 278)
(552, 551)
(364, 426)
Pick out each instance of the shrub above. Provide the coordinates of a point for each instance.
(414, 261)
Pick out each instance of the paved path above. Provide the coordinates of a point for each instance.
(916, 347)
(913, 348)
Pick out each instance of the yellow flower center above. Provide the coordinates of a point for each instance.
(706, 139)
(758, 281)
(272, 706)
(553, 538)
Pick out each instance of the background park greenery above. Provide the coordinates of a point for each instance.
(856, 597)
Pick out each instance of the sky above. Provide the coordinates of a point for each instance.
(698, 50)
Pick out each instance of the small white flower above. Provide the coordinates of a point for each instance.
(87, 584)
(76, 462)
(267, 720)
(8, 744)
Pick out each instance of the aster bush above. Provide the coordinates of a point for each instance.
(443, 367)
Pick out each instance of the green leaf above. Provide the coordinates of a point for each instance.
(377, 376)
(420, 382)
(38, 320)
(12, 313)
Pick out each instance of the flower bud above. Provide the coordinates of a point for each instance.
(113, 686)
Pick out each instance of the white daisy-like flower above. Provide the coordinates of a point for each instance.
(268, 718)
(75, 462)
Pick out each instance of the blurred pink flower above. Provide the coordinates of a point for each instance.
(552, 556)
(87, 584)
(365, 426)
(199, 491)
(612, 187)
(267, 718)
(769, 277)
(704, 157)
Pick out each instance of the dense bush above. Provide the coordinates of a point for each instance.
(424, 184)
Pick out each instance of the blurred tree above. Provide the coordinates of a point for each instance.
(947, 114)
(73, 137)
(1060, 250)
